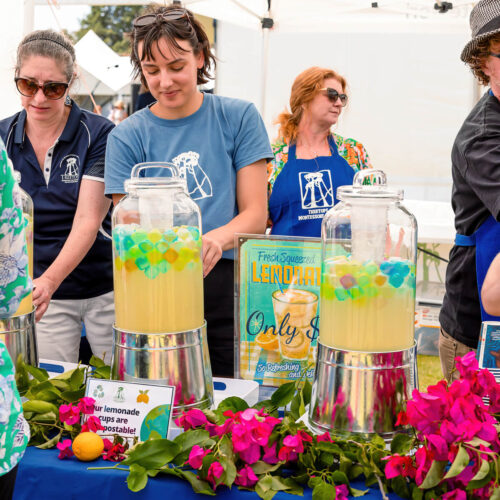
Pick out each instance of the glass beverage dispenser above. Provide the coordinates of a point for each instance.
(18, 331)
(160, 333)
(366, 358)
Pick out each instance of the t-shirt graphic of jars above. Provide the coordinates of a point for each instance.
(316, 189)
(198, 182)
(119, 397)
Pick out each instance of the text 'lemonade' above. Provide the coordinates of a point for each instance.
(366, 306)
(294, 311)
(158, 278)
(26, 305)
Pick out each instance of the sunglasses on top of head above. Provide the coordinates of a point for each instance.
(51, 90)
(171, 15)
(333, 95)
(495, 55)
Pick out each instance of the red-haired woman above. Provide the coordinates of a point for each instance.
(310, 161)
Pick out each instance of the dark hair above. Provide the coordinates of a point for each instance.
(47, 43)
(304, 89)
(184, 28)
(479, 56)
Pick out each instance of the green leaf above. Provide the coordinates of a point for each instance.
(38, 373)
(152, 454)
(416, 493)
(283, 395)
(96, 362)
(378, 442)
(137, 478)
(326, 459)
(323, 491)
(400, 487)
(477, 441)
(51, 442)
(357, 493)
(263, 485)
(355, 471)
(483, 471)
(496, 494)
(226, 448)
(339, 477)
(306, 392)
(46, 418)
(261, 467)
(103, 372)
(62, 385)
(73, 396)
(229, 474)
(268, 406)
(401, 444)
(186, 440)
(461, 461)
(233, 403)
(49, 395)
(292, 487)
(76, 379)
(435, 475)
(38, 406)
(198, 485)
(329, 447)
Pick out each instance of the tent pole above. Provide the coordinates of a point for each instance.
(267, 24)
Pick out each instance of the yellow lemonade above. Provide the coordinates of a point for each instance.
(367, 307)
(158, 279)
(26, 305)
(294, 310)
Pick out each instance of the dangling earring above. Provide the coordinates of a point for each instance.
(67, 101)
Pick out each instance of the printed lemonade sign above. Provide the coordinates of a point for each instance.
(278, 303)
(130, 409)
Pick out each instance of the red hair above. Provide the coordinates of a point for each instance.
(304, 89)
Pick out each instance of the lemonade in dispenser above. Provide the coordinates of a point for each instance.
(366, 361)
(160, 332)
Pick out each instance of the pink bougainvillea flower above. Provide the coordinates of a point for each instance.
(341, 492)
(438, 446)
(191, 419)
(113, 452)
(69, 414)
(86, 405)
(467, 365)
(246, 477)
(92, 424)
(196, 455)
(64, 448)
(455, 495)
(399, 466)
(270, 456)
(251, 454)
(324, 437)
(214, 473)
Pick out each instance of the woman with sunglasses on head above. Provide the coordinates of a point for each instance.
(310, 161)
(219, 144)
(59, 150)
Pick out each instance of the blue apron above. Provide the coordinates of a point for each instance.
(305, 190)
(486, 239)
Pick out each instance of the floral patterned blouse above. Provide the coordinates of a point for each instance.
(352, 151)
(14, 285)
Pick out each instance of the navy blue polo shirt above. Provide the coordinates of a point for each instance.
(77, 154)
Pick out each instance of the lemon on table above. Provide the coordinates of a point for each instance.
(88, 446)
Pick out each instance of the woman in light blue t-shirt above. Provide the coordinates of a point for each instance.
(220, 145)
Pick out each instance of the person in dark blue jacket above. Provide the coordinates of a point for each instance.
(59, 150)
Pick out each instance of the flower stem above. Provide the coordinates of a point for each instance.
(381, 486)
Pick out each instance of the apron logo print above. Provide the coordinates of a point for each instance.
(316, 189)
(198, 182)
(70, 164)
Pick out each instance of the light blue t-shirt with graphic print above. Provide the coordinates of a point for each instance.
(209, 147)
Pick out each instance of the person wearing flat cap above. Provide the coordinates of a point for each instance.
(475, 195)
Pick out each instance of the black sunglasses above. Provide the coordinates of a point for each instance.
(51, 90)
(495, 55)
(171, 15)
(333, 95)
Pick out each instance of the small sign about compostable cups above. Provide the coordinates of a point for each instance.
(130, 409)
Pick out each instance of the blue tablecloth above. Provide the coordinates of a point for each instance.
(42, 476)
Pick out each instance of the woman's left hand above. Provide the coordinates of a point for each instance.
(212, 252)
(43, 289)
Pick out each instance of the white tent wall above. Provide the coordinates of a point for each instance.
(10, 36)
(409, 91)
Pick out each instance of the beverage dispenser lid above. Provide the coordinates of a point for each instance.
(369, 183)
(172, 177)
